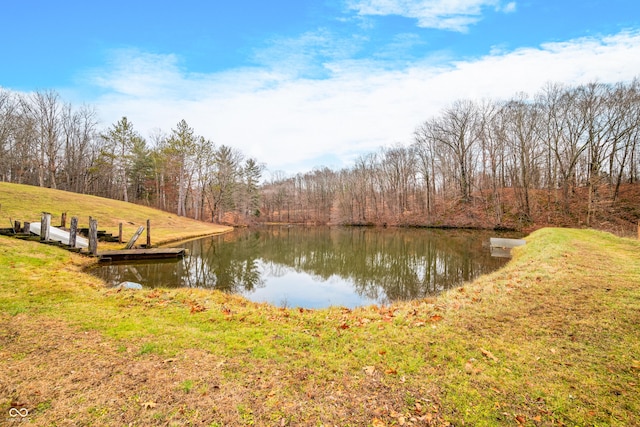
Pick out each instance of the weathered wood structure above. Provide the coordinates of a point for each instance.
(134, 238)
(141, 254)
(72, 240)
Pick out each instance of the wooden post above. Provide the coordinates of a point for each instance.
(63, 220)
(45, 223)
(73, 231)
(93, 236)
(26, 227)
(148, 233)
(134, 238)
(16, 226)
(120, 233)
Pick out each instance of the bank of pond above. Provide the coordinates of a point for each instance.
(316, 267)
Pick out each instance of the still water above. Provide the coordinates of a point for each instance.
(314, 267)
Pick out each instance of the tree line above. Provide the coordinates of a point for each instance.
(47, 142)
(565, 152)
(509, 162)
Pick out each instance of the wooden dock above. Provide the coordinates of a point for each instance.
(142, 254)
(501, 248)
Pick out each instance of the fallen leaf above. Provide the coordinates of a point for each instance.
(521, 419)
(376, 422)
(488, 354)
(196, 307)
(427, 417)
(394, 414)
(436, 318)
(369, 370)
(468, 368)
(391, 371)
(149, 405)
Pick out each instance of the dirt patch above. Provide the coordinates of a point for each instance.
(63, 376)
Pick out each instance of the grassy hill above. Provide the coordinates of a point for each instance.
(26, 203)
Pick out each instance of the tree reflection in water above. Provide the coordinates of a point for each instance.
(296, 266)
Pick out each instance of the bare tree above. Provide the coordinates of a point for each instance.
(78, 132)
(455, 134)
(399, 167)
(45, 109)
(564, 131)
(8, 117)
(520, 136)
(158, 141)
(625, 100)
(492, 135)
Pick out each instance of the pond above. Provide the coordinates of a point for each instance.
(315, 267)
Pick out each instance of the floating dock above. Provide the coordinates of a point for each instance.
(501, 248)
(142, 254)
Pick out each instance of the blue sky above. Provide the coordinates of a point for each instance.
(303, 83)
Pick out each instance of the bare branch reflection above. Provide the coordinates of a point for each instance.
(379, 265)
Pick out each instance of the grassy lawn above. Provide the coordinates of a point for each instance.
(551, 339)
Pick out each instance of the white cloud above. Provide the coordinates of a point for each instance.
(454, 15)
(293, 124)
(509, 7)
(139, 74)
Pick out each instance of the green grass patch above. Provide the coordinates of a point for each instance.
(187, 386)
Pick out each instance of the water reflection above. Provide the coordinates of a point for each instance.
(318, 266)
